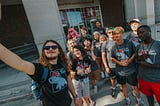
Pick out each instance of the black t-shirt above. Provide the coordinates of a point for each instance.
(81, 39)
(101, 30)
(55, 88)
(81, 63)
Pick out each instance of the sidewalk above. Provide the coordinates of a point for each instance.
(15, 91)
(14, 85)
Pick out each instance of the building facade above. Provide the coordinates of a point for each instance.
(34, 21)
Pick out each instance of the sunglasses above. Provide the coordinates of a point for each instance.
(110, 32)
(54, 47)
(70, 31)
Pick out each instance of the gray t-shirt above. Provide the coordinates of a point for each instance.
(106, 47)
(132, 37)
(97, 48)
(151, 74)
(129, 35)
(121, 52)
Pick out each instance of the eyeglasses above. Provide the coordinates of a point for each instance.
(54, 47)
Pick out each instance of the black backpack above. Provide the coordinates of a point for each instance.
(36, 87)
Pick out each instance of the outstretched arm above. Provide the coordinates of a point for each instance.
(15, 61)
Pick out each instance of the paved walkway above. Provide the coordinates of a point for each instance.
(15, 91)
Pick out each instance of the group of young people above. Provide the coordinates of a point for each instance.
(132, 59)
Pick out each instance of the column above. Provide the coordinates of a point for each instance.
(45, 21)
(150, 12)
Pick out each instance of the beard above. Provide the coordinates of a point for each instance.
(51, 58)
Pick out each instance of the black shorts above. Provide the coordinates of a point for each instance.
(113, 73)
(131, 79)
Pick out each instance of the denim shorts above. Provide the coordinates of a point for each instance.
(82, 87)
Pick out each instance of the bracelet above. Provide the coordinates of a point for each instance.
(106, 67)
(75, 97)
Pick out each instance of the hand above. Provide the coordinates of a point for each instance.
(107, 69)
(142, 57)
(80, 71)
(76, 102)
(92, 48)
(88, 70)
(112, 75)
(124, 62)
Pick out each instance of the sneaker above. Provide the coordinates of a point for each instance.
(95, 89)
(113, 93)
(128, 102)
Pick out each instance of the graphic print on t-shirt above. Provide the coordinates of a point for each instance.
(135, 41)
(151, 53)
(57, 81)
(121, 54)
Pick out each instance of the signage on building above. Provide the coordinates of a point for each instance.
(89, 12)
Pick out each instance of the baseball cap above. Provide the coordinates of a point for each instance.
(110, 28)
(135, 20)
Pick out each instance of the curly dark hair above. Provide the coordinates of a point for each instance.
(82, 50)
(62, 58)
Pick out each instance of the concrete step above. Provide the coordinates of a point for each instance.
(15, 91)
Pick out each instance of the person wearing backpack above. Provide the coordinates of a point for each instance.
(55, 88)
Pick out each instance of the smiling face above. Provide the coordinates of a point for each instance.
(144, 33)
(51, 50)
(87, 43)
(83, 32)
(118, 33)
(135, 25)
(98, 24)
(77, 53)
(110, 34)
(71, 43)
(118, 37)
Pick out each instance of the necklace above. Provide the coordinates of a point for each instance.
(147, 49)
